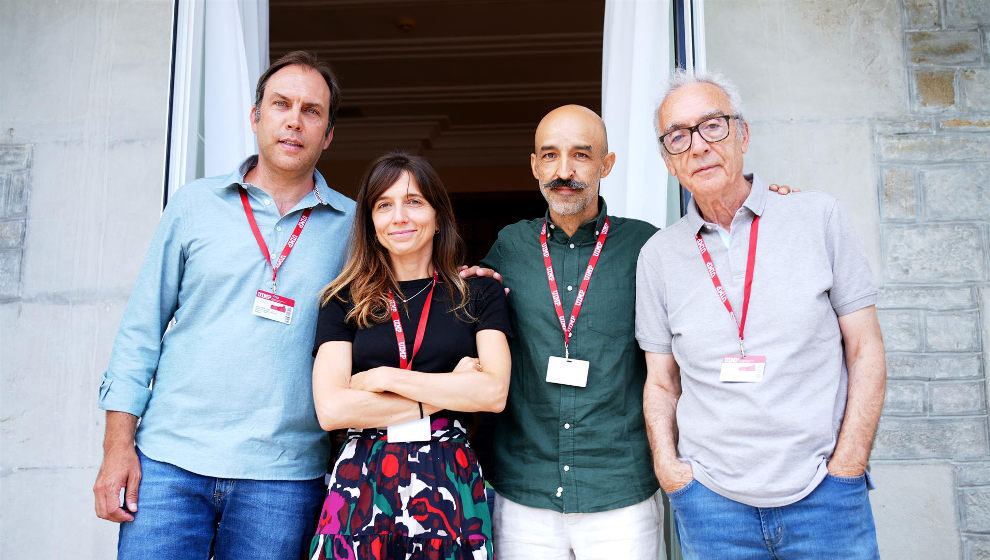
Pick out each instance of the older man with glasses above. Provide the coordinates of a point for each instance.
(765, 366)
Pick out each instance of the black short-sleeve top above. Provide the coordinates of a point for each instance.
(448, 337)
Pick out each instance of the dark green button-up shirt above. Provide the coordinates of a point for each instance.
(573, 449)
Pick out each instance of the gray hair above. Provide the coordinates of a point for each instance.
(680, 78)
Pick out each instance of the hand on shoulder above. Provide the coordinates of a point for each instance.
(477, 271)
(783, 189)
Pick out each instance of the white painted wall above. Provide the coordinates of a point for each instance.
(86, 84)
(915, 510)
(814, 75)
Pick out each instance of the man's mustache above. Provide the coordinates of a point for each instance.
(559, 183)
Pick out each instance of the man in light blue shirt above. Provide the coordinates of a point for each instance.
(228, 458)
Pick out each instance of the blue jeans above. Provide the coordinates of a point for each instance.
(185, 515)
(834, 521)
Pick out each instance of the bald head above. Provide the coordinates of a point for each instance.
(574, 121)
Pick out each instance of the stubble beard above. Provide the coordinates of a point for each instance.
(568, 208)
(576, 204)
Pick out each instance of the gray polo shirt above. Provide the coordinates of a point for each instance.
(765, 444)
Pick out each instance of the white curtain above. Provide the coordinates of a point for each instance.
(636, 62)
(221, 50)
(697, 37)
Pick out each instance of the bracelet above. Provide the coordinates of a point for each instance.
(420, 409)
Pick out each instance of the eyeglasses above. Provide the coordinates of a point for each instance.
(714, 129)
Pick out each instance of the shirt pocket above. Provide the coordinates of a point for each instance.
(611, 305)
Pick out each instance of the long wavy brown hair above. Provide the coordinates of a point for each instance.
(368, 272)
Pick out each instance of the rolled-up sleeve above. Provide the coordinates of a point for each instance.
(126, 384)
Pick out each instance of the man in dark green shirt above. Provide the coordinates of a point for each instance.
(574, 474)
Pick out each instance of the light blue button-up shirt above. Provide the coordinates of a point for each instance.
(223, 392)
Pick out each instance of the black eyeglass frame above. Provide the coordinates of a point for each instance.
(696, 128)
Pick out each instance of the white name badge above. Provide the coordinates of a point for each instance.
(742, 369)
(413, 430)
(566, 371)
(270, 306)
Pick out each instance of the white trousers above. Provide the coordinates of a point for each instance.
(631, 533)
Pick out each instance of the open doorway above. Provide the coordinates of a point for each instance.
(461, 83)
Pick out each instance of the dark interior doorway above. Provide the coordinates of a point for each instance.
(462, 83)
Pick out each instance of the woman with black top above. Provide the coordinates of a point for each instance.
(405, 350)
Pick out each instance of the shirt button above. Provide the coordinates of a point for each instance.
(597, 232)
(552, 226)
(567, 468)
(267, 202)
(559, 491)
(569, 288)
(571, 245)
(567, 426)
(278, 228)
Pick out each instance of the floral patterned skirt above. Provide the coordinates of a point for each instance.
(405, 501)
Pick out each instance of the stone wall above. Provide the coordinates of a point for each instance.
(933, 174)
(885, 104)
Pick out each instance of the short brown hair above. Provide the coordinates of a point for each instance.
(309, 60)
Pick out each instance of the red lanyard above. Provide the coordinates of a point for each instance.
(568, 325)
(750, 266)
(261, 240)
(405, 363)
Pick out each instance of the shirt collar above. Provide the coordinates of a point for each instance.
(328, 196)
(592, 227)
(756, 202)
